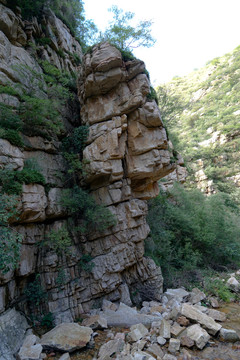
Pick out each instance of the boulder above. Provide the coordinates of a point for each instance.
(176, 329)
(177, 294)
(174, 346)
(13, 326)
(142, 355)
(137, 332)
(232, 283)
(196, 296)
(66, 337)
(198, 335)
(161, 341)
(126, 316)
(187, 341)
(156, 350)
(169, 357)
(217, 315)
(109, 348)
(31, 349)
(196, 315)
(228, 335)
(164, 329)
(65, 356)
(95, 322)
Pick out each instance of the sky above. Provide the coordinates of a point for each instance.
(189, 33)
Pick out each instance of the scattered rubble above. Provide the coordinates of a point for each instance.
(159, 330)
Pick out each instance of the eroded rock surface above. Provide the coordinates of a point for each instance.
(126, 154)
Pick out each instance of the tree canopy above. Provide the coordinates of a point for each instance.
(125, 35)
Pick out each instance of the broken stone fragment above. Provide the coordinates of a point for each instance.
(65, 356)
(169, 357)
(141, 355)
(217, 315)
(137, 332)
(161, 341)
(187, 341)
(228, 335)
(95, 322)
(178, 294)
(214, 302)
(30, 349)
(198, 335)
(196, 296)
(156, 350)
(66, 337)
(110, 348)
(164, 329)
(174, 345)
(232, 283)
(126, 316)
(176, 329)
(183, 321)
(196, 315)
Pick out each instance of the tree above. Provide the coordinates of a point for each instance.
(125, 36)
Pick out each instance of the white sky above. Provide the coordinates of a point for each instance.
(189, 32)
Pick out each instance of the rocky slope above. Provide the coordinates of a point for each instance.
(201, 111)
(126, 153)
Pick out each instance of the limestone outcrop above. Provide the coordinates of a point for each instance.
(126, 154)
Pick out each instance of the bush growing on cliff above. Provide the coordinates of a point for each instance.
(10, 239)
(71, 12)
(189, 230)
(82, 206)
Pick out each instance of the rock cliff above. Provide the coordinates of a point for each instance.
(125, 155)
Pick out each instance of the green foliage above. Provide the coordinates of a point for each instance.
(10, 243)
(152, 95)
(189, 230)
(217, 287)
(11, 181)
(61, 278)
(80, 205)
(72, 147)
(60, 241)
(43, 41)
(29, 8)
(10, 124)
(75, 142)
(36, 112)
(71, 12)
(86, 263)
(196, 108)
(48, 320)
(125, 36)
(35, 293)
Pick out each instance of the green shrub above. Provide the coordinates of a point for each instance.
(11, 181)
(152, 95)
(217, 287)
(12, 136)
(60, 241)
(30, 176)
(189, 230)
(10, 243)
(86, 263)
(43, 41)
(34, 292)
(48, 320)
(81, 206)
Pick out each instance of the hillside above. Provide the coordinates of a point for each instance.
(202, 114)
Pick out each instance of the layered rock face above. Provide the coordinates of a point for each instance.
(126, 153)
